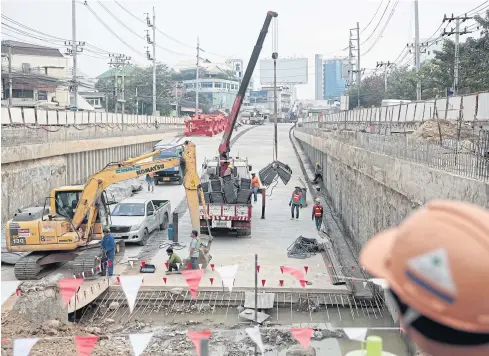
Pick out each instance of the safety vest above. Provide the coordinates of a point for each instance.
(255, 182)
(296, 198)
(318, 210)
(151, 174)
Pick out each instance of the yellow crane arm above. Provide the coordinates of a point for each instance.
(133, 168)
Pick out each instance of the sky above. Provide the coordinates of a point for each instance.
(229, 28)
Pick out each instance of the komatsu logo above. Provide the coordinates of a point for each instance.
(155, 168)
(127, 169)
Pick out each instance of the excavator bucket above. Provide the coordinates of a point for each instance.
(269, 173)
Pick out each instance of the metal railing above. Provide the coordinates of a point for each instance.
(469, 158)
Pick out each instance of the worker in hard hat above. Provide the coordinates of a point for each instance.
(318, 173)
(296, 202)
(229, 170)
(436, 266)
(255, 186)
(317, 214)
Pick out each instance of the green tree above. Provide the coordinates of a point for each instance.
(372, 92)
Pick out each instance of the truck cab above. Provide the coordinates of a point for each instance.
(168, 175)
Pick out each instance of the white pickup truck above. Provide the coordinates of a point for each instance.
(134, 219)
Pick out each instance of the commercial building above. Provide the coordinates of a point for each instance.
(334, 78)
(263, 99)
(318, 77)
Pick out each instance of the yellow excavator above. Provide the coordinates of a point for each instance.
(58, 233)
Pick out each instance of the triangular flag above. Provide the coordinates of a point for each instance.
(8, 288)
(166, 265)
(227, 275)
(130, 286)
(196, 336)
(356, 333)
(164, 279)
(22, 347)
(380, 282)
(200, 265)
(178, 265)
(306, 268)
(254, 334)
(258, 268)
(263, 281)
(364, 284)
(212, 280)
(68, 287)
(131, 263)
(139, 342)
(297, 274)
(302, 335)
(212, 266)
(85, 344)
(193, 277)
(282, 269)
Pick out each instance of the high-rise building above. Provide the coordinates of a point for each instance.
(318, 77)
(334, 78)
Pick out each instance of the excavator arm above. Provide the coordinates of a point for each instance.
(134, 168)
(224, 147)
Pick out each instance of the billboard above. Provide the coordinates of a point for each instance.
(289, 71)
(258, 96)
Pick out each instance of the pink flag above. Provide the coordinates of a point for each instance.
(196, 336)
(193, 277)
(297, 274)
(303, 336)
(68, 288)
(85, 344)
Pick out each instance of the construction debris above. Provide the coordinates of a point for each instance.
(304, 247)
(449, 129)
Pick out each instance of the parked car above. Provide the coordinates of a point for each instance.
(173, 174)
(134, 219)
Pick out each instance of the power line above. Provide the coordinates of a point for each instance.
(375, 29)
(383, 29)
(373, 17)
(120, 22)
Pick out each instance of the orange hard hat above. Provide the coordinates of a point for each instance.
(437, 263)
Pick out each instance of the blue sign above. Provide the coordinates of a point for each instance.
(73, 108)
(258, 96)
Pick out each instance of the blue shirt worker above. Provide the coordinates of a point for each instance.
(296, 202)
(108, 248)
(194, 248)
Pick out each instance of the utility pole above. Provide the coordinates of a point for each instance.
(153, 57)
(359, 70)
(119, 62)
(73, 51)
(275, 56)
(197, 80)
(386, 66)
(137, 102)
(417, 50)
(10, 81)
(457, 34)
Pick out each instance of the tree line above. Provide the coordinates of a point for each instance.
(436, 75)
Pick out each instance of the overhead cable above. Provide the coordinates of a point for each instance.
(380, 20)
(373, 17)
(383, 29)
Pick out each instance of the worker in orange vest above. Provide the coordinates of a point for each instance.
(255, 185)
(296, 202)
(317, 214)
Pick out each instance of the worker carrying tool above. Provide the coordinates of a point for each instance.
(108, 247)
(228, 170)
(255, 185)
(317, 214)
(174, 261)
(436, 266)
(296, 202)
(318, 173)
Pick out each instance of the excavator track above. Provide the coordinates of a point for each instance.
(89, 259)
(28, 267)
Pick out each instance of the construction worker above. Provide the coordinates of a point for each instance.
(318, 173)
(317, 214)
(194, 248)
(173, 260)
(229, 170)
(436, 267)
(255, 186)
(151, 182)
(108, 249)
(296, 202)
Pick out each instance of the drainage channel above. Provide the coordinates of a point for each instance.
(160, 237)
(175, 302)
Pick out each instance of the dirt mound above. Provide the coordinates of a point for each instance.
(430, 131)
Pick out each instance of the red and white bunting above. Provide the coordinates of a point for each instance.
(303, 336)
(84, 344)
(297, 274)
(228, 273)
(23, 347)
(255, 336)
(7, 289)
(358, 334)
(130, 286)
(68, 287)
(139, 342)
(193, 278)
(196, 336)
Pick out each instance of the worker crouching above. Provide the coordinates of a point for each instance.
(174, 260)
(296, 202)
(317, 214)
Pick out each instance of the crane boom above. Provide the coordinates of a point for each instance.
(224, 147)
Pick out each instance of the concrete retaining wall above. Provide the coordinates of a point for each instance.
(29, 172)
(373, 191)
